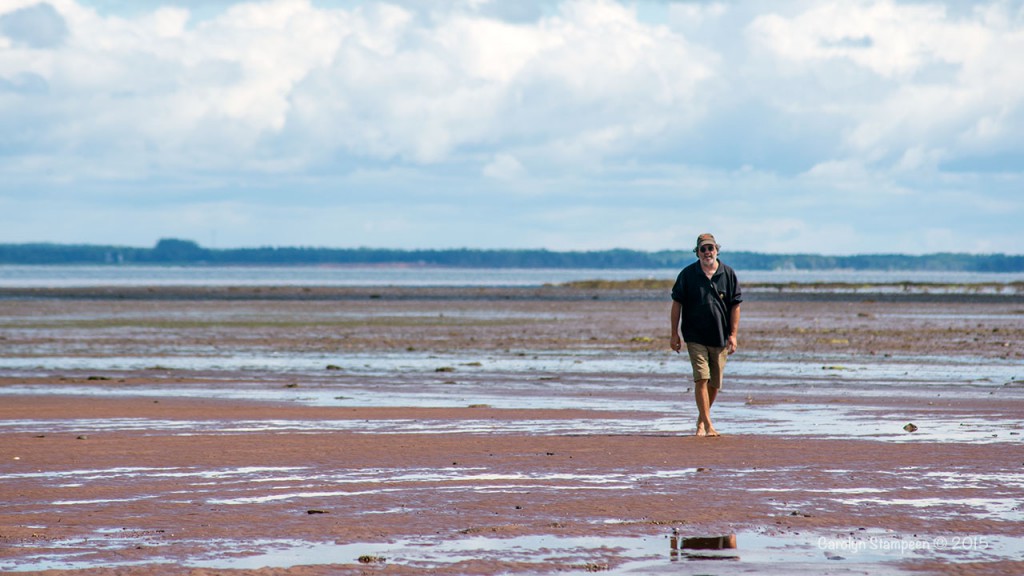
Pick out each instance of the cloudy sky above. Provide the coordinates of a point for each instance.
(835, 127)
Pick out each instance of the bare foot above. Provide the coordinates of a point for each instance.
(712, 432)
(700, 429)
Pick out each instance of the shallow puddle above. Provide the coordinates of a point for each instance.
(653, 418)
(782, 370)
(762, 551)
(260, 486)
(1003, 509)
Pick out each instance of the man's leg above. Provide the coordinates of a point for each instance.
(716, 366)
(712, 394)
(704, 398)
(699, 360)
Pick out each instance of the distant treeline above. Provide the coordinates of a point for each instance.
(186, 252)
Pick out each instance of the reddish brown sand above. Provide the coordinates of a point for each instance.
(498, 484)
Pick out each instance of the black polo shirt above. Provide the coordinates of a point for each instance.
(706, 303)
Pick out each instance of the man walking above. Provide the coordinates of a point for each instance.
(706, 307)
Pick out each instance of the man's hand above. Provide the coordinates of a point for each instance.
(676, 343)
(730, 344)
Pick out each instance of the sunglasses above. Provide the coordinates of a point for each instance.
(707, 248)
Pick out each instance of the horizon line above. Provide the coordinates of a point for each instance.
(471, 249)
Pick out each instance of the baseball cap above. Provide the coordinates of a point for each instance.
(705, 238)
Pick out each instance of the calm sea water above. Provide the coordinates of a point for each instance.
(79, 276)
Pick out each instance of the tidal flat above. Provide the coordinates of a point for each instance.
(533, 431)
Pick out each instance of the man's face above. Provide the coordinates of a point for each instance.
(707, 253)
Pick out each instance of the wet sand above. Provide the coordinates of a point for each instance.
(401, 432)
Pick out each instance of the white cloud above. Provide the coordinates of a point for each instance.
(918, 159)
(284, 77)
(363, 122)
(888, 38)
(940, 77)
(504, 167)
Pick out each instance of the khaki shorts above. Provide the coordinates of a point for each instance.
(708, 363)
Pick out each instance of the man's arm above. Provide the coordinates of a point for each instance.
(675, 342)
(734, 328)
